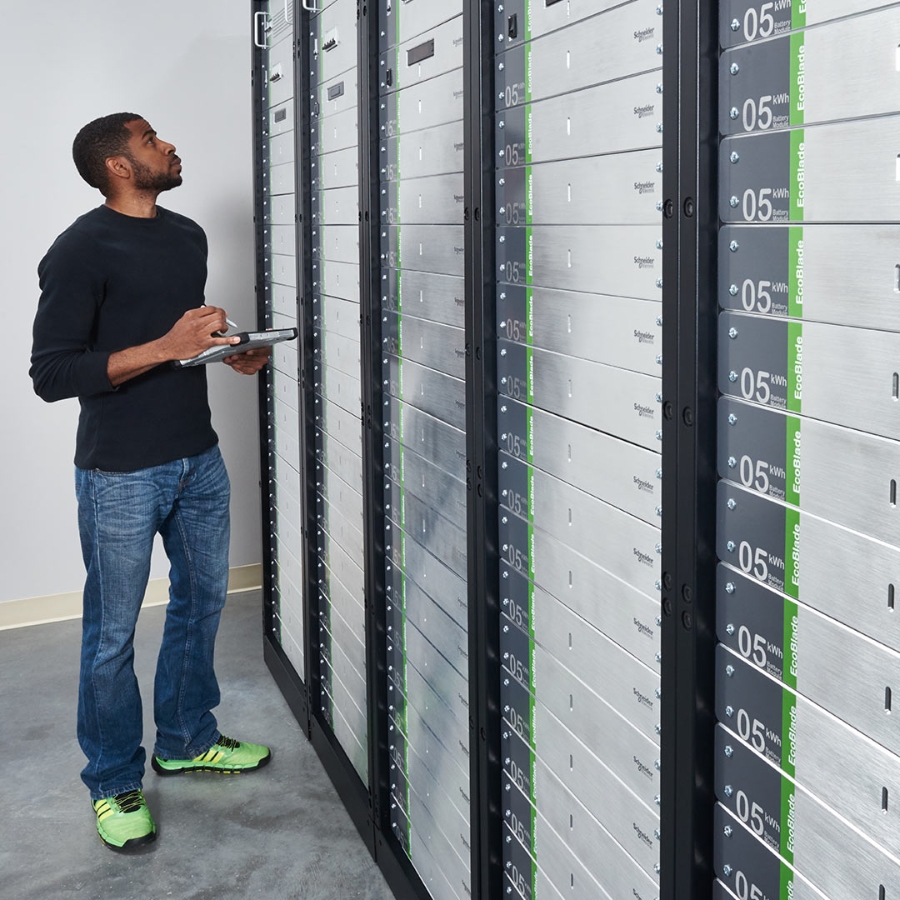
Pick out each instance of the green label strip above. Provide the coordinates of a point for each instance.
(798, 14)
(798, 78)
(788, 732)
(792, 456)
(795, 367)
(798, 174)
(787, 819)
(792, 552)
(795, 272)
(791, 626)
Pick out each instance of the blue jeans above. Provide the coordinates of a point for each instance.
(119, 514)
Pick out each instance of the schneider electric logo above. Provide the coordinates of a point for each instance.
(646, 34)
(644, 412)
(645, 337)
(645, 187)
(642, 485)
(643, 111)
(644, 262)
(641, 835)
(644, 558)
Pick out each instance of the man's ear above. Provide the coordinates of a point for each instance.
(119, 167)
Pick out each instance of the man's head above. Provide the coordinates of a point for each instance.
(121, 152)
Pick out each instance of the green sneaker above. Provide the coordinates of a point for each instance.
(226, 756)
(124, 822)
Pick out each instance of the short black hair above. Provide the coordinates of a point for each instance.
(97, 142)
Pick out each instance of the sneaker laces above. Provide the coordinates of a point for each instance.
(130, 801)
(227, 742)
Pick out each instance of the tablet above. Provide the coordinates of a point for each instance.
(249, 341)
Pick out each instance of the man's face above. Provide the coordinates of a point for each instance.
(155, 165)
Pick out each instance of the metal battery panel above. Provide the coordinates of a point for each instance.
(841, 172)
(620, 43)
(624, 261)
(332, 43)
(422, 57)
(437, 298)
(629, 186)
(619, 402)
(431, 438)
(423, 365)
(810, 559)
(843, 375)
(750, 20)
(842, 70)
(629, 478)
(797, 826)
(522, 20)
(847, 476)
(845, 275)
(616, 331)
(435, 151)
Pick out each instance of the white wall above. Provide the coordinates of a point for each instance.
(186, 67)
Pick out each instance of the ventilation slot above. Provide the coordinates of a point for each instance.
(890, 596)
(887, 699)
(884, 802)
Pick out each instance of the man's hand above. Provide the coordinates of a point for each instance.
(249, 362)
(194, 332)
(190, 335)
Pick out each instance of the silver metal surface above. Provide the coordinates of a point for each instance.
(337, 132)
(602, 857)
(618, 44)
(347, 570)
(440, 443)
(418, 476)
(281, 179)
(438, 298)
(340, 388)
(624, 189)
(432, 392)
(282, 270)
(280, 149)
(279, 210)
(833, 472)
(841, 172)
(756, 20)
(281, 119)
(348, 724)
(844, 70)
(338, 352)
(279, 71)
(337, 243)
(628, 478)
(444, 586)
(621, 403)
(434, 532)
(578, 582)
(332, 40)
(435, 151)
(440, 347)
(344, 462)
(423, 56)
(847, 771)
(335, 170)
(436, 249)
(576, 124)
(433, 200)
(436, 102)
(336, 206)
(337, 316)
(336, 279)
(616, 331)
(339, 520)
(335, 95)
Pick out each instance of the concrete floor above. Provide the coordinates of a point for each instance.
(280, 833)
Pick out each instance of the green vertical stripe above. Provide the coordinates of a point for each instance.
(798, 14)
(528, 73)
(529, 434)
(795, 272)
(792, 552)
(798, 174)
(788, 732)
(798, 78)
(795, 367)
(787, 883)
(789, 642)
(787, 819)
(793, 436)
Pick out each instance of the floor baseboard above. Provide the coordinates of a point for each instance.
(59, 607)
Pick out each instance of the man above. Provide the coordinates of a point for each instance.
(122, 295)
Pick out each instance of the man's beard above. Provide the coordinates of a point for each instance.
(147, 180)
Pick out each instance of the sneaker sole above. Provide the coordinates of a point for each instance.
(219, 770)
(130, 846)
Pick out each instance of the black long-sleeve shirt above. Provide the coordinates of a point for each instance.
(110, 282)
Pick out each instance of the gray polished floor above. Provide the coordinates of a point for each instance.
(280, 833)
